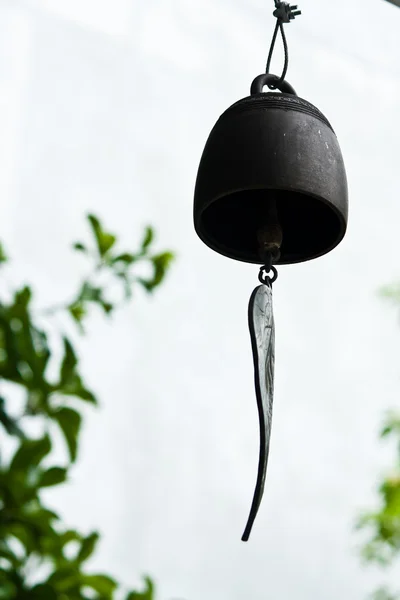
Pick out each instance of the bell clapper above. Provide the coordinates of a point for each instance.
(269, 239)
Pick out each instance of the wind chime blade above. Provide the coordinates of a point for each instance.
(262, 333)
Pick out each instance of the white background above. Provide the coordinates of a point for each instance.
(105, 106)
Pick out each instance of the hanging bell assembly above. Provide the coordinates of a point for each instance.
(271, 189)
(271, 159)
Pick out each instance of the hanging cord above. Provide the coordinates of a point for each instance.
(284, 13)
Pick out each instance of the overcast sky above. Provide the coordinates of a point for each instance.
(105, 106)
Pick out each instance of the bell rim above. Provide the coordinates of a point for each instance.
(208, 241)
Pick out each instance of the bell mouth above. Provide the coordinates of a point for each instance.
(230, 224)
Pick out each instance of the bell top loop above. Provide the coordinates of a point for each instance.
(268, 79)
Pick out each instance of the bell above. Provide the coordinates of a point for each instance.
(271, 175)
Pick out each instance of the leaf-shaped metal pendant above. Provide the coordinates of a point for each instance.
(262, 332)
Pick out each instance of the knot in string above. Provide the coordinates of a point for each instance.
(284, 13)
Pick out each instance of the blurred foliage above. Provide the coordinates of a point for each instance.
(384, 594)
(391, 292)
(36, 558)
(383, 524)
(120, 266)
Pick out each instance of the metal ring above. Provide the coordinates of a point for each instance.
(268, 79)
(264, 278)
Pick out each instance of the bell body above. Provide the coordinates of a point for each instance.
(271, 155)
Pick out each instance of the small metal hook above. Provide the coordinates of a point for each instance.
(264, 277)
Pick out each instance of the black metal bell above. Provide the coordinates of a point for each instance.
(271, 159)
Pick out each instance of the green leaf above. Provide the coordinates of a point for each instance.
(35, 513)
(22, 533)
(53, 476)
(69, 421)
(54, 546)
(77, 312)
(30, 453)
(390, 491)
(161, 263)
(23, 296)
(25, 346)
(148, 238)
(105, 241)
(69, 362)
(147, 594)
(9, 555)
(80, 247)
(107, 307)
(65, 578)
(40, 345)
(39, 522)
(127, 284)
(384, 594)
(70, 381)
(43, 591)
(3, 256)
(69, 536)
(392, 424)
(96, 227)
(9, 424)
(95, 294)
(8, 589)
(100, 583)
(391, 292)
(88, 546)
(126, 258)
(90, 293)
(387, 430)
